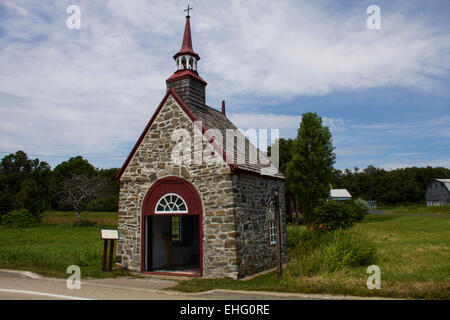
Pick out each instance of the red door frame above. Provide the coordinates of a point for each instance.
(184, 189)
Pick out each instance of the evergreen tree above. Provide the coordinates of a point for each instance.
(310, 171)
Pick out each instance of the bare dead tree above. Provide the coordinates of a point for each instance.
(78, 190)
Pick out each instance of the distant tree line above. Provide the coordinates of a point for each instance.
(393, 187)
(76, 185)
(31, 184)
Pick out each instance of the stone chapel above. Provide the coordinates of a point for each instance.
(206, 215)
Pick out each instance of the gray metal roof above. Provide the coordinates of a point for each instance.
(446, 182)
(214, 119)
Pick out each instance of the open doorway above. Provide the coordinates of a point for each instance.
(173, 244)
(172, 228)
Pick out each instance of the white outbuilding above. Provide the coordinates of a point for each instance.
(340, 194)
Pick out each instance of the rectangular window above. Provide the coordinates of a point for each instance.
(176, 227)
(272, 233)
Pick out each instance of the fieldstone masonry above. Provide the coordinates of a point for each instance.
(235, 240)
(255, 253)
(212, 182)
(235, 233)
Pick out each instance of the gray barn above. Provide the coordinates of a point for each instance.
(438, 193)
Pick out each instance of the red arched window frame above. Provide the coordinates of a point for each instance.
(175, 185)
(185, 190)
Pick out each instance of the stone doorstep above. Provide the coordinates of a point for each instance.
(140, 275)
(181, 278)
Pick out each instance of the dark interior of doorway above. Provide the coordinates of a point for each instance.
(185, 247)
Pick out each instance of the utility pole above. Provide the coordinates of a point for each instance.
(278, 226)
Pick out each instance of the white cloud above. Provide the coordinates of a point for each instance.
(362, 150)
(287, 48)
(361, 144)
(73, 92)
(405, 154)
(267, 120)
(280, 121)
(439, 127)
(92, 90)
(415, 163)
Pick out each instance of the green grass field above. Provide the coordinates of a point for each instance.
(413, 254)
(51, 247)
(419, 210)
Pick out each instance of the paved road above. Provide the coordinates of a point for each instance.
(14, 286)
(27, 286)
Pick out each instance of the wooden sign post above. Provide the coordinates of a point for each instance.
(108, 235)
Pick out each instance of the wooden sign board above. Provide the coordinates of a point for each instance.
(110, 234)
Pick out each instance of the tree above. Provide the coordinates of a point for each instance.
(310, 171)
(110, 203)
(24, 183)
(285, 147)
(75, 166)
(6, 201)
(78, 190)
(31, 197)
(17, 163)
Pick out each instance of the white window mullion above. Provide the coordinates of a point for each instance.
(171, 203)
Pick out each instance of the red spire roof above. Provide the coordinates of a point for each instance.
(186, 47)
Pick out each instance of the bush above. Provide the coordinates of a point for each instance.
(31, 197)
(108, 204)
(19, 219)
(294, 237)
(348, 249)
(332, 215)
(362, 203)
(6, 201)
(319, 251)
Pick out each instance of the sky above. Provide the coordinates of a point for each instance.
(384, 93)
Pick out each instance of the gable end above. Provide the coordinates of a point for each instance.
(192, 117)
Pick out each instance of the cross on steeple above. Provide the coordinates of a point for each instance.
(188, 8)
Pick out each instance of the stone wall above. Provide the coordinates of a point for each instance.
(255, 253)
(235, 231)
(152, 161)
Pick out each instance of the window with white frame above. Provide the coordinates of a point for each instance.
(171, 203)
(272, 233)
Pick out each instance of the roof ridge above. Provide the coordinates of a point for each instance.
(214, 109)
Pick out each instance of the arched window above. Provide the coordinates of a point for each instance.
(171, 203)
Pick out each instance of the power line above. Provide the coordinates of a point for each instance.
(69, 156)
